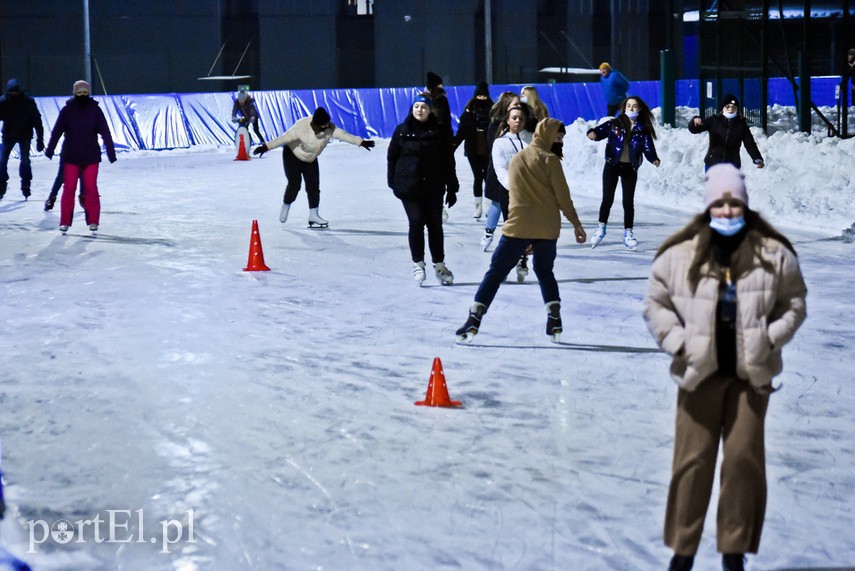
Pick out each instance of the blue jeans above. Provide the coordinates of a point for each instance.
(24, 168)
(493, 213)
(505, 258)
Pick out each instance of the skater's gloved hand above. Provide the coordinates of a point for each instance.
(112, 159)
(260, 150)
(367, 145)
(450, 198)
(49, 154)
(40, 145)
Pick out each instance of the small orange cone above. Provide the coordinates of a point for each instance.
(242, 154)
(437, 392)
(256, 254)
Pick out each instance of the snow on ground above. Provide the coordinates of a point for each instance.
(145, 373)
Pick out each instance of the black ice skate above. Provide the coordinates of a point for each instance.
(553, 321)
(473, 323)
(522, 269)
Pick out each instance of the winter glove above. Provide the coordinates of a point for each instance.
(260, 150)
(49, 154)
(367, 145)
(113, 159)
(40, 145)
(451, 198)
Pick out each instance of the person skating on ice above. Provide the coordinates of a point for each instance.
(728, 131)
(630, 140)
(302, 144)
(725, 294)
(81, 121)
(245, 111)
(421, 171)
(472, 132)
(511, 139)
(539, 195)
(20, 117)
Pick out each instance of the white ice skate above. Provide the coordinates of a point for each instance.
(487, 238)
(478, 209)
(443, 274)
(522, 269)
(629, 240)
(63, 228)
(419, 272)
(283, 213)
(315, 220)
(598, 235)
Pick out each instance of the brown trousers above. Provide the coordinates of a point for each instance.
(726, 409)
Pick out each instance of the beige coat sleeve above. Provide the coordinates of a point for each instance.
(561, 190)
(790, 308)
(664, 323)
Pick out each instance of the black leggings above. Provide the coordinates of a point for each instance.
(296, 171)
(425, 212)
(628, 177)
(479, 170)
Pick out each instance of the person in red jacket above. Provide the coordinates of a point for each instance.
(81, 121)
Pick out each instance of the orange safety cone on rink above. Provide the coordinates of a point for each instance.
(256, 254)
(437, 391)
(242, 154)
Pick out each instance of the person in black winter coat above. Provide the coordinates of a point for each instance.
(441, 109)
(20, 117)
(728, 131)
(245, 112)
(420, 171)
(472, 132)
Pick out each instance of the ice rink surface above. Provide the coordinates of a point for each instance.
(145, 375)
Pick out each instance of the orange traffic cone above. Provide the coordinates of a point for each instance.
(437, 392)
(242, 154)
(256, 255)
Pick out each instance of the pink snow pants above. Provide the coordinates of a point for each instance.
(71, 174)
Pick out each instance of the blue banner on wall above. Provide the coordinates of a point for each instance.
(181, 120)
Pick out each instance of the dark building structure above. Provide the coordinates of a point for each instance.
(158, 46)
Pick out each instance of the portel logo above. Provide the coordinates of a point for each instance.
(114, 528)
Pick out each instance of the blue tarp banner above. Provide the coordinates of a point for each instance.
(181, 120)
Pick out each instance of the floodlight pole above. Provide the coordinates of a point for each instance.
(488, 41)
(87, 51)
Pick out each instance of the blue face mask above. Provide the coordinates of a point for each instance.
(632, 115)
(727, 226)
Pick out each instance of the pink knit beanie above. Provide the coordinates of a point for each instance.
(80, 84)
(724, 181)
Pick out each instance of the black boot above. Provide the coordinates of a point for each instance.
(25, 190)
(681, 563)
(473, 322)
(733, 562)
(51, 200)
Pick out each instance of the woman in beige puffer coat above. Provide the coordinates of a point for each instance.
(724, 295)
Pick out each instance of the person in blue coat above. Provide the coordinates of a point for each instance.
(615, 87)
(630, 139)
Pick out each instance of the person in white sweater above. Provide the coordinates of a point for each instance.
(303, 143)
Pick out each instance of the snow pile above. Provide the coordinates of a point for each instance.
(809, 179)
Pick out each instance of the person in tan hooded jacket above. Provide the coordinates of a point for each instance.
(724, 295)
(538, 196)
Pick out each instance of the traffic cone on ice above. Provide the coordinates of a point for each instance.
(437, 392)
(256, 255)
(242, 154)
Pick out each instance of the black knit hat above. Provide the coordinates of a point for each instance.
(482, 89)
(320, 117)
(729, 98)
(433, 80)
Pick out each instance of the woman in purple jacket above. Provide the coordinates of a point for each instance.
(81, 121)
(630, 139)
